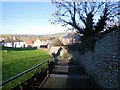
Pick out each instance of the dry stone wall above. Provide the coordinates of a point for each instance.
(104, 63)
(107, 60)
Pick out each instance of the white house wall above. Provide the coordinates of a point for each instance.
(43, 43)
(20, 44)
(16, 44)
(39, 43)
(36, 43)
(8, 45)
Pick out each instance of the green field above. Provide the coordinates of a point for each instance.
(15, 61)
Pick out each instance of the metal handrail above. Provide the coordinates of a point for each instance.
(20, 74)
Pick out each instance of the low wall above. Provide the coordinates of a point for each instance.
(104, 63)
(54, 49)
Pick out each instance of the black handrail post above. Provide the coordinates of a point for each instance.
(48, 68)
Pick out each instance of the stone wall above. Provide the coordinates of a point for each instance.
(107, 60)
(63, 52)
(104, 63)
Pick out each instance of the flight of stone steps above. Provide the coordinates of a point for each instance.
(68, 75)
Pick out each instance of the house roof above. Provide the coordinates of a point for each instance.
(1, 39)
(74, 35)
(29, 42)
(9, 40)
(18, 40)
(37, 40)
(46, 38)
(43, 39)
(56, 42)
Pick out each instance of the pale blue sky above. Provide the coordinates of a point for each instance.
(28, 18)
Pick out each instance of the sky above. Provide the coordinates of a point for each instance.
(28, 18)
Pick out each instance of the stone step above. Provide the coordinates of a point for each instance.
(68, 81)
(70, 76)
(67, 75)
(72, 69)
(66, 66)
(63, 62)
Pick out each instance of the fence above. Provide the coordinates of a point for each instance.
(20, 74)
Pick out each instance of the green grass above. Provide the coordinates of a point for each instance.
(16, 61)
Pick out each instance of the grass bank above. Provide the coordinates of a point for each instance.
(15, 61)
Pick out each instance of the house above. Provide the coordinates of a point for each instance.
(14, 42)
(44, 42)
(20, 43)
(55, 46)
(29, 43)
(8, 42)
(37, 43)
(56, 42)
(1, 42)
(41, 42)
(70, 38)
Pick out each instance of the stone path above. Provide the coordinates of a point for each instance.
(68, 75)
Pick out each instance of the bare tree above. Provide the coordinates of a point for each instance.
(88, 18)
(110, 13)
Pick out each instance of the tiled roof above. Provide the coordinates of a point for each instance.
(12, 40)
(29, 41)
(75, 35)
(56, 42)
(1, 39)
(45, 39)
